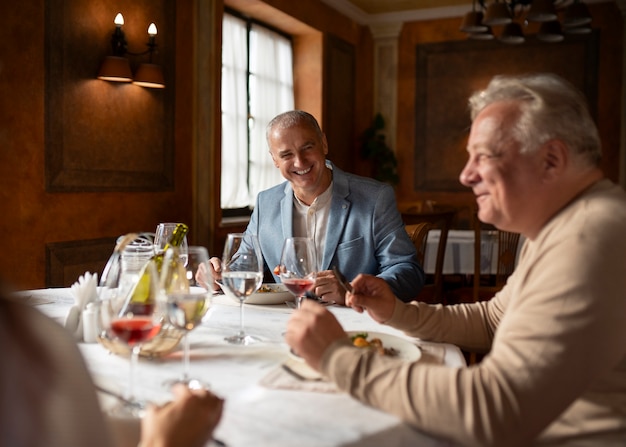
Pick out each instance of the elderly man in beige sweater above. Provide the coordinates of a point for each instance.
(555, 372)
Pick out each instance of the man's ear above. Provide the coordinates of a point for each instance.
(325, 144)
(555, 157)
(273, 158)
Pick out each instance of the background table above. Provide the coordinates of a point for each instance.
(459, 255)
(256, 415)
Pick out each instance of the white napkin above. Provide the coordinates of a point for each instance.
(84, 291)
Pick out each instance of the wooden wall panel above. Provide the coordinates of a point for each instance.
(449, 72)
(32, 217)
(66, 261)
(107, 136)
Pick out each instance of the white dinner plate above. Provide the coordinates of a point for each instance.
(406, 349)
(267, 294)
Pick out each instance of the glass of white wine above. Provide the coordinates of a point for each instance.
(242, 275)
(186, 302)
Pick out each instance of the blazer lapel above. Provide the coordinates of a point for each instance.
(339, 209)
(286, 212)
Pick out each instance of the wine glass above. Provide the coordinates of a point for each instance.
(186, 303)
(125, 319)
(163, 235)
(242, 275)
(298, 266)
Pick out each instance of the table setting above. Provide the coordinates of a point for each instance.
(272, 398)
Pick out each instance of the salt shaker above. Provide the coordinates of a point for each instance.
(90, 331)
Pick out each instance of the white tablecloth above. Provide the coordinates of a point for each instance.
(256, 415)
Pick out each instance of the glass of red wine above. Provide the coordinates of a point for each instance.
(126, 320)
(298, 266)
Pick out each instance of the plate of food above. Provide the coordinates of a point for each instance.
(386, 344)
(268, 293)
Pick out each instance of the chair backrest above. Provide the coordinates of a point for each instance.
(433, 218)
(418, 233)
(507, 255)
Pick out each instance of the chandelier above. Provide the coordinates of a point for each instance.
(554, 17)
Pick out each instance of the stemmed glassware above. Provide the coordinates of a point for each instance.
(242, 275)
(129, 322)
(187, 302)
(298, 266)
(162, 236)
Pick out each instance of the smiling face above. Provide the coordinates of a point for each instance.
(299, 152)
(507, 184)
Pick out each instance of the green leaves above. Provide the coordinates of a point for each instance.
(374, 147)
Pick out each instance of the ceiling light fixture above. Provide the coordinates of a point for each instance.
(510, 14)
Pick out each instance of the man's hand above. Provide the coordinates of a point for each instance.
(311, 330)
(374, 295)
(207, 277)
(188, 420)
(327, 286)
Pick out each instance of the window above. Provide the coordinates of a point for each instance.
(257, 84)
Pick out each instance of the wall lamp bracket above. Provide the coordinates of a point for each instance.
(116, 68)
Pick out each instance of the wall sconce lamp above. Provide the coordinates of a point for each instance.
(116, 68)
(575, 19)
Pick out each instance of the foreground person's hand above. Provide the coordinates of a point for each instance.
(188, 420)
(374, 295)
(311, 330)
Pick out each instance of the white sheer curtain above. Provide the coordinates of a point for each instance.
(234, 113)
(270, 87)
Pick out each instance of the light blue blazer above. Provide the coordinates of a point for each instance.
(365, 232)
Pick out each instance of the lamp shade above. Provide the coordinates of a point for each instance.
(550, 32)
(116, 69)
(512, 33)
(149, 75)
(485, 35)
(541, 11)
(584, 29)
(576, 14)
(472, 22)
(497, 14)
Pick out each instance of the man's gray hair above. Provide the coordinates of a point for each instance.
(550, 108)
(293, 118)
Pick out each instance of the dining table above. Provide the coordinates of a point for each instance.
(264, 404)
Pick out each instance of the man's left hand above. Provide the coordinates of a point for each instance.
(327, 287)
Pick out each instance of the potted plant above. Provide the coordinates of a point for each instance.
(374, 148)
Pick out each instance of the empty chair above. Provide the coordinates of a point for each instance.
(432, 291)
(486, 285)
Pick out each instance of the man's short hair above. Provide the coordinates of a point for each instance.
(551, 108)
(293, 118)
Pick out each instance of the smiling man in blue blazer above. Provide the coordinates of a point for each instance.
(354, 221)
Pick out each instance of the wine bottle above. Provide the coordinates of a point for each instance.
(144, 293)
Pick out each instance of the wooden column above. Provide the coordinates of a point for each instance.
(386, 76)
(622, 153)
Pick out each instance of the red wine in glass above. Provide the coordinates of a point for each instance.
(298, 286)
(135, 330)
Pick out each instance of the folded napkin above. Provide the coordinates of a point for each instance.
(84, 292)
(295, 374)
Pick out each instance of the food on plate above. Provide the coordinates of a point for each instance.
(265, 288)
(360, 340)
